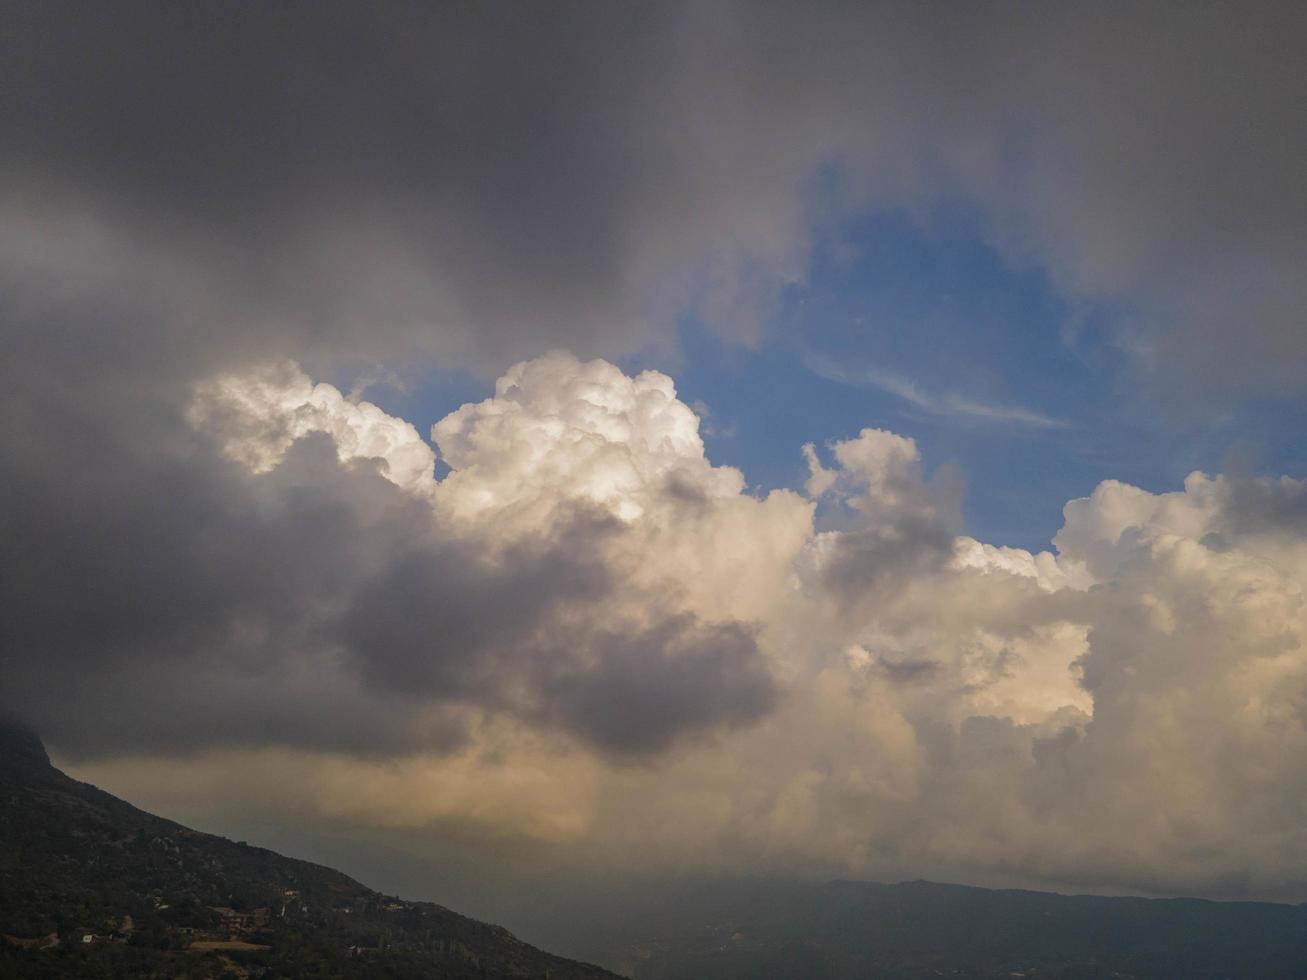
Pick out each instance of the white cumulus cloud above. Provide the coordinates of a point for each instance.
(866, 691)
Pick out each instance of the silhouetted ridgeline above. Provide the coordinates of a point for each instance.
(159, 900)
(842, 930)
(90, 886)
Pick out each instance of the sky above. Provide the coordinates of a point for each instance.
(580, 442)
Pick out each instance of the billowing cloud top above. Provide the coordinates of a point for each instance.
(584, 598)
(558, 428)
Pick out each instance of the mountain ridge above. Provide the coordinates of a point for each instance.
(159, 899)
(848, 930)
(163, 900)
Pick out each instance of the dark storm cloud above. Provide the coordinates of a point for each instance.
(447, 621)
(537, 631)
(635, 692)
(1267, 506)
(319, 606)
(865, 564)
(491, 180)
(458, 164)
(192, 187)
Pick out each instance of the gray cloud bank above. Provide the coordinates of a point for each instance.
(489, 181)
(586, 633)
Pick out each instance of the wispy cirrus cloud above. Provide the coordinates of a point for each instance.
(946, 403)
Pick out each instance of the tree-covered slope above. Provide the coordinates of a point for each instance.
(163, 900)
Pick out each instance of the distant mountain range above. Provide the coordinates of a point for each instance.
(90, 886)
(842, 930)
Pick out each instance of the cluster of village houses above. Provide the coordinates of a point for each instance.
(232, 924)
(85, 937)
